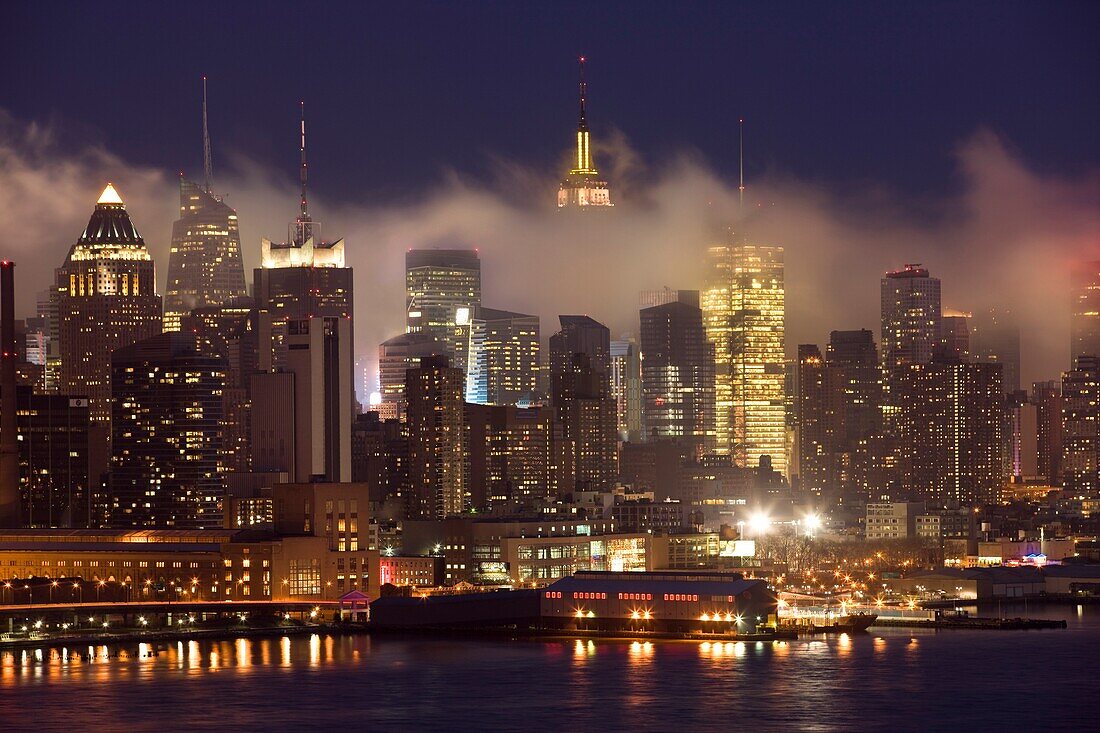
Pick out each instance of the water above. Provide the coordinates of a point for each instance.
(898, 680)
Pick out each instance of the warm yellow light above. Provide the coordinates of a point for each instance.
(109, 196)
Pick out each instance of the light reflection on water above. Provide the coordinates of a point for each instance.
(902, 679)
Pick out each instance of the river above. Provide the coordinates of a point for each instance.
(895, 680)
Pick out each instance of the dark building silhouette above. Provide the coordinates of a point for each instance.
(677, 375)
(166, 448)
(380, 457)
(995, 338)
(581, 335)
(1085, 310)
(585, 411)
(1047, 398)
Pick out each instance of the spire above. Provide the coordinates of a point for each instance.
(305, 206)
(741, 169)
(207, 159)
(583, 160)
(110, 196)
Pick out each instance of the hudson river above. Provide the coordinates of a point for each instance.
(884, 680)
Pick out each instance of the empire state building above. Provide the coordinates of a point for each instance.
(583, 187)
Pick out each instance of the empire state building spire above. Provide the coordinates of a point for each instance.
(582, 187)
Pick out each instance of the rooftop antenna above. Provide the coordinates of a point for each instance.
(741, 169)
(207, 159)
(305, 206)
(584, 93)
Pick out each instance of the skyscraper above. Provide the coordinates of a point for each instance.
(818, 417)
(436, 413)
(581, 335)
(950, 431)
(744, 312)
(204, 266)
(955, 334)
(166, 452)
(503, 364)
(678, 375)
(1081, 428)
(395, 357)
(626, 388)
(442, 289)
(107, 299)
(1085, 323)
(510, 456)
(1047, 398)
(585, 412)
(995, 338)
(911, 315)
(853, 356)
(583, 188)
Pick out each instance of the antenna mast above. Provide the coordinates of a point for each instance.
(207, 159)
(741, 169)
(305, 206)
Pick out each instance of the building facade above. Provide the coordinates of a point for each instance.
(503, 366)
(437, 444)
(442, 290)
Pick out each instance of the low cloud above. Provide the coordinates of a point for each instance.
(1005, 236)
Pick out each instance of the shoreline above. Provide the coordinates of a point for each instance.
(145, 637)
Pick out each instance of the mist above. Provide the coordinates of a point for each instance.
(1005, 235)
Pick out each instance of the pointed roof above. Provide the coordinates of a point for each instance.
(110, 196)
(109, 223)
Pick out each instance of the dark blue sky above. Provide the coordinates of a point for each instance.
(840, 93)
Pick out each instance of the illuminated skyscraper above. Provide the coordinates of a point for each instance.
(204, 267)
(1085, 324)
(911, 315)
(503, 364)
(586, 413)
(744, 310)
(395, 357)
(678, 375)
(626, 388)
(107, 299)
(166, 449)
(583, 188)
(1081, 428)
(442, 289)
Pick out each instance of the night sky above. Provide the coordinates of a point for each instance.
(399, 93)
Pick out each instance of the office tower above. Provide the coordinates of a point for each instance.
(1047, 398)
(585, 411)
(434, 391)
(995, 338)
(166, 446)
(380, 457)
(510, 454)
(442, 290)
(305, 276)
(626, 389)
(1085, 309)
(582, 188)
(47, 325)
(650, 298)
(503, 363)
(395, 357)
(1081, 428)
(581, 335)
(302, 414)
(955, 334)
(854, 358)
(53, 461)
(744, 315)
(106, 300)
(950, 431)
(678, 375)
(204, 266)
(911, 317)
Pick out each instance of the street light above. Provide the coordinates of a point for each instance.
(53, 585)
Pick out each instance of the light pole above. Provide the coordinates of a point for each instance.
(77, 589)
(30, 593)
(98, 586)
(53, 585)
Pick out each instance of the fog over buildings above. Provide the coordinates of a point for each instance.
(1005, 237)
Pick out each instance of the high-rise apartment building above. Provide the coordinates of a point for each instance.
(166, 452)
(1081, 428)
(585, 411)
(583, 187)
(106, 299)
(511, 459)
(950, 431)
(678, 375)
(442, 291)
(818, 414)
(911, 314)
(395, 357)
(744, 307)
(626, 389)
(853, 356)
(503, 363)
(995, 338)
(204, 264)
(437, 467)
(1085, 310)
(1047, 398)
